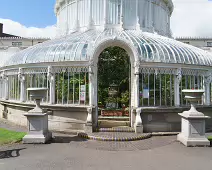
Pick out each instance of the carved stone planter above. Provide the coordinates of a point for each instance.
(193, 122)
(37, 120)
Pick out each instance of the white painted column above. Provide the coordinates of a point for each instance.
(51, 78)
(138, 27)
(67, 17)
(92, 120)
(138, 121)
(95, 94)
(177, 80)
(90, 19)
(207, 95)
(77, 25)
(121, 16)
(22, 80)
(91, 88)
(105, 13)
(6, 86)
(176, 91)
(136, 8)
(149, 14)
(136, 86)
(146, 15)
(77, 10)
(89, 121)
(169, 30)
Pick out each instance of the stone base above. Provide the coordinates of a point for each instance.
(202, 141)
(139, 129)
(88, 128)
(37, 138)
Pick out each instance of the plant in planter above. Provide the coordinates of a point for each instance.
(111, 112)
(100, 105)
(112, 102)
(126, 111)
(124, 100)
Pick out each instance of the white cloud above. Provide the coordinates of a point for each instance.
(192, 18)
(12, 27)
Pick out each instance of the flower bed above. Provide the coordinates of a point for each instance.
(111, 113)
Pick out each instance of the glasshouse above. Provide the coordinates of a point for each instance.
(111, 60)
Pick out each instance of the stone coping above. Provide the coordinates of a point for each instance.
(194, 116)
(31, 105)
(174, 109)
(66, 107)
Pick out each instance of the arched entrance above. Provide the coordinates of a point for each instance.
(94, 53)
(113, 87)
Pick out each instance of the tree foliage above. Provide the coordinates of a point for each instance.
(114, 68)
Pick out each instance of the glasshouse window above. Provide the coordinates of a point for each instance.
(39, 81)
(14, 87)
(2, 88)
(190, 82)
(156, 90)
(211, 91)
(71, 88)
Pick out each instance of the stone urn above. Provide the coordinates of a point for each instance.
(37, 94)
(37, 119)
(192, 121)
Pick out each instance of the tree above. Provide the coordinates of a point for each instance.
(113, 68)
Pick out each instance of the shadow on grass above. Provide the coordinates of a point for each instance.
(10, 153)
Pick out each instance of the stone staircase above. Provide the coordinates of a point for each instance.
(120, 134)
(117, 133)
(108, 122)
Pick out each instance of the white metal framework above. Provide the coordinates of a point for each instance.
(160, 66)
(68, 59)
(76, 47)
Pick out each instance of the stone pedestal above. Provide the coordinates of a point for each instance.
(89, 122)
(193, 129)
(38, 128)
(193, 124)
(37, 120)
(138, 122)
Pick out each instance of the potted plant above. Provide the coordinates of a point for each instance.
(126, 111)
(112, 112)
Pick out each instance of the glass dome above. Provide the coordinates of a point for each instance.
(150, 48)
(149, 15)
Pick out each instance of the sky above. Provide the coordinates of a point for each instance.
(36, 18)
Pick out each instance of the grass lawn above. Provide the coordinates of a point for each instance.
(7, 136)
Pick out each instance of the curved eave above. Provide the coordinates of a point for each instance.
(46, 64)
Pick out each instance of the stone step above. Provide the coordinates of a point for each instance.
(117, 129)
(122, 136)
(112, 123)
(112, 136)
(114, 118)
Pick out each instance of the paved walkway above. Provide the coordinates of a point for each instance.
(71, 152)
(79, 155)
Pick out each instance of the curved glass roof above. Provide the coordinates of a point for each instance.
(151, 48)
(5, 54)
